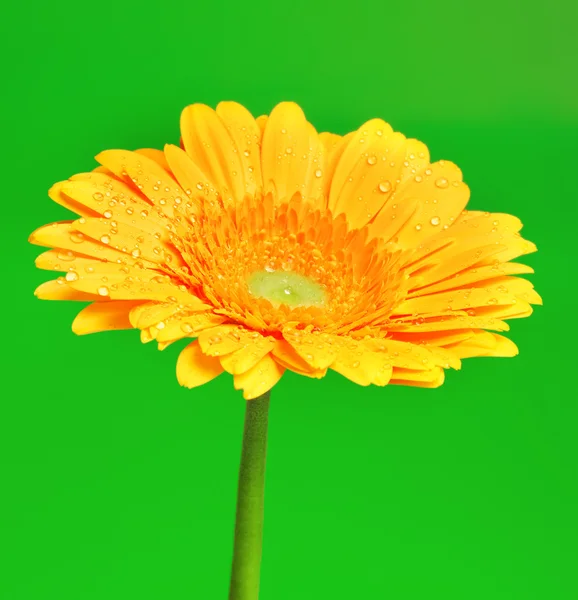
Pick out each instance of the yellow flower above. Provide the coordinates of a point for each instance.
(276, 248)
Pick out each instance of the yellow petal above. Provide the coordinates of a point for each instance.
(153, 246)
(65, 236)
(213, 150)
(318, 350)
(57, 289)
(225, 339)
(103, 316)
(484, 343)
(153, 313)
(364, 178)
(188, 326)
(498, 291)
(57, 194)
(246, 134)
(147, 176)
(370, 367)
(247, 357)
(441, 196)
(195, 368)
(334, 146)
(262, 123)
(156, 155)
(259, 379)
(195, 183)
(122, 282)
(292, 155)
(112, 199)
(288, 357)
(429, 379)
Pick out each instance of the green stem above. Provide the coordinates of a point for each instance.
(249, 524)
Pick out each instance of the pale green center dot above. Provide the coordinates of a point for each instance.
(286, 287)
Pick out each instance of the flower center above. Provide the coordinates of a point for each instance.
(286, 287)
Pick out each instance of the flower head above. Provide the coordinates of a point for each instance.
(276, 247)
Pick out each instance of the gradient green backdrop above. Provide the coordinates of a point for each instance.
(119, 484)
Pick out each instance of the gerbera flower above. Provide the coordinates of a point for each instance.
(276, 248)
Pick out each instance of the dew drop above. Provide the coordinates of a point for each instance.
(107, 214)
(105, 239)
(435, 221)
(66, 256)
(98, 196)
(384, 187)
(371, 160)
(71, 276)
(103, 290)
(442, 183)
(418, 226)
(318, 173)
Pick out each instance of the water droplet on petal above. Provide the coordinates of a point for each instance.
(318, 173)
(442, 183)
(105, 239)
(384, 187)
(435, 221)
(103, 290)
(71, 276)
(371, 160)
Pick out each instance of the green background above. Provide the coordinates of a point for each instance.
(119, 484)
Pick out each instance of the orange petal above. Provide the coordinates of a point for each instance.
(259, 379)
(292, 155)
(195, 368)
(103, 316)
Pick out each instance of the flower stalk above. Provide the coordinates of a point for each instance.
(248, 542)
